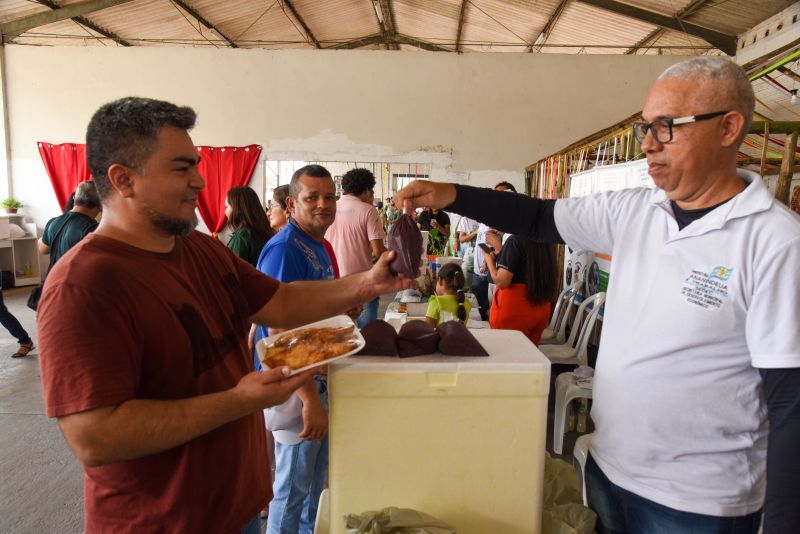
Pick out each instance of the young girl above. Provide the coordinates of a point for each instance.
(449, 302)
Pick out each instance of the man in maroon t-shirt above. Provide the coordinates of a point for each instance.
(143, 339)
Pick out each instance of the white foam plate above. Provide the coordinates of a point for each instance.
(335, 322)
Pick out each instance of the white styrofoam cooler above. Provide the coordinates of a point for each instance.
(462, 439)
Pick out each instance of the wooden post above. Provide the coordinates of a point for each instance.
(764, 149)
(787, 168)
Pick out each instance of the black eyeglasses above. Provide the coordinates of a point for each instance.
(662, 128)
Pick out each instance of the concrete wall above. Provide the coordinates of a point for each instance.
(489, 114)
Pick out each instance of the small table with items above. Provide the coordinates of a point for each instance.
(410, 305)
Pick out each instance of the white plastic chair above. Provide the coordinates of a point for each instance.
(567, 388)
(567, 353)
(322, 525)
(555, 333)
(579, 455)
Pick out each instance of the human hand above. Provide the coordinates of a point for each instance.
(353, 313)
(315, 421)
(424, 193)
(263, 389)
(379, 280)
(494, 239)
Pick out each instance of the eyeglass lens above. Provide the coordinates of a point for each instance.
(660, 128)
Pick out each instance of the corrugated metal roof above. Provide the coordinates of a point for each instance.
(65, 32)
(489, 25)
(773, 99)
(434, 21)
(605, 28)
(14, 9)
(339, 20)
(513, 26)
(674, 43)
(734, 17)
(662, 7)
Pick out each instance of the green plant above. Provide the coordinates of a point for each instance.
(11, 202)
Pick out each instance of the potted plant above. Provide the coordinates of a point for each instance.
(11, 205)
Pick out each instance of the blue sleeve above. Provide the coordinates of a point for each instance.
(283, 263)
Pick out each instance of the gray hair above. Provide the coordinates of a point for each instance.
(86, 195)
(738, 90)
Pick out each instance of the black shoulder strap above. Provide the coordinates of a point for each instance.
(54, 242)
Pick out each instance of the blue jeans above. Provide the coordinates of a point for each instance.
(300, 472)
(253, 527)
(369, 314)
(480, 288)
(11, 323)
(620, 511)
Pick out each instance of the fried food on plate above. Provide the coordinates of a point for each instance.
(310, 345)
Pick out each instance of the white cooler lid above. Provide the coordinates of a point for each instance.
(509, 350)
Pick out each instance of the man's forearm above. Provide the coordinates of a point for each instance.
(377, 247)
(140, 427)
(304, 302)
(308, 393)
(512, 213)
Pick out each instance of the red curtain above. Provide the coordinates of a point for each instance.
(67, 167)
(223, 168)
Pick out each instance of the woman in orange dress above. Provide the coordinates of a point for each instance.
(525, 275)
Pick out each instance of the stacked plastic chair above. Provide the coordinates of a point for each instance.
(555, 333)
(567, 352)
(579, 455)
(567, 387)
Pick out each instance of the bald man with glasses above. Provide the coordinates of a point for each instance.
(698, 374)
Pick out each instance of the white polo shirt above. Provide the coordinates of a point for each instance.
(690, 315)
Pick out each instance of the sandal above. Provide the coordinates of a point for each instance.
(24, 349)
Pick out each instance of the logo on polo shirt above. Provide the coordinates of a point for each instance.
(708, 290)
(722, 273)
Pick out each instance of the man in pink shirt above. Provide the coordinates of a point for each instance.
(357, 234)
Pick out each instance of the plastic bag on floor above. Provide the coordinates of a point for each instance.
(395, 521)
(563, 511)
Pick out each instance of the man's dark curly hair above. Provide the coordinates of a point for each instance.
(126, 132)
(357, 181)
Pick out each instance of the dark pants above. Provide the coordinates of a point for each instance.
(480, 288)
(12, 324)
(620, 511)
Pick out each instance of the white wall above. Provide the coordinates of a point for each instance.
(489, 114)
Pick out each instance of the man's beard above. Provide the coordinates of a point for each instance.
(170, 225)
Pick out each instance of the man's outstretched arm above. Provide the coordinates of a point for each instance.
(510, 212)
